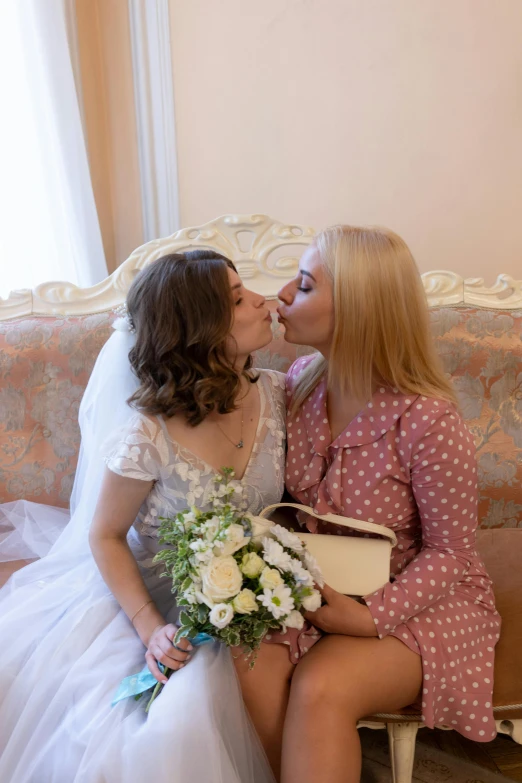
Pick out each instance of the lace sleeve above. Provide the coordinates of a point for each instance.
(139, 450)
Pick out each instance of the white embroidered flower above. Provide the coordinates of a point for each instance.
(279, 601)
(294, 620)
(300, 574)
(311, 603)
(245, 602)
(277, 433)
(270, 578)
(274, 554)
(182, 469)
(313, 566)
(286, 538)
(130, 452)
(221, 615)
(222, 578)
(195, 492)
(252, 564)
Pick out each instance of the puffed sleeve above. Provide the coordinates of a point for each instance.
(444, 484)
(139, 450)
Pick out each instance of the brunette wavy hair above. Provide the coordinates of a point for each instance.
(181, 307)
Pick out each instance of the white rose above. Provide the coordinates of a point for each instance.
(245, 602)
(221, 578)
(270, 578)
(252, 564)
(312, 602)
(235, 539)
(221, 615)
(294, 620)
(260, 528)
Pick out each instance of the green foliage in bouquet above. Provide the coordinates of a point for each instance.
(235, 575)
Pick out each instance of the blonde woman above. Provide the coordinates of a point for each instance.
(374, 433)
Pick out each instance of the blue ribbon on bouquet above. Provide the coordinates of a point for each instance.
(136, 684)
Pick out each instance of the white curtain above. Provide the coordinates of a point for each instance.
(49, 227)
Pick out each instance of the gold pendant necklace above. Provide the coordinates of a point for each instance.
(237, 445)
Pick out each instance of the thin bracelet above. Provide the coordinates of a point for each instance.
(150, 601)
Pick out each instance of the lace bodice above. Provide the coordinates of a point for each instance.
(144, 450)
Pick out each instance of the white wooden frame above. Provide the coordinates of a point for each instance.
(266, 253)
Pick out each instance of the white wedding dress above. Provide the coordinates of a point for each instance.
(66, 644)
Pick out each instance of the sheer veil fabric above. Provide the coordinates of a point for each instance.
(66, 644)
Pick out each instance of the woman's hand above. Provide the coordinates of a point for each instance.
(161, 648)
(342, 614)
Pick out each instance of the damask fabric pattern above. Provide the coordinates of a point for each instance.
(45, 364)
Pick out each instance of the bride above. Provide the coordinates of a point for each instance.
(171, 401)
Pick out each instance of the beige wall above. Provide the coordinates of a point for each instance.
(405, 113)
(108, 96)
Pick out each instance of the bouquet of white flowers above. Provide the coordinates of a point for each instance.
(236, 576)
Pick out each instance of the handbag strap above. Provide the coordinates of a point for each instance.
(355, 524)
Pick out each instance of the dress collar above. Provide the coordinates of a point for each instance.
(370, 424)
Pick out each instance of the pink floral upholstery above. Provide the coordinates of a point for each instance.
(482, 351)
(45, 365)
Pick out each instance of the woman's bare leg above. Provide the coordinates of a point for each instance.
(341, 680)
(266, 688)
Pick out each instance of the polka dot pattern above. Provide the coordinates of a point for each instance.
(408, 462)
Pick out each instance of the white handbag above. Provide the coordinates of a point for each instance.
(352, 565)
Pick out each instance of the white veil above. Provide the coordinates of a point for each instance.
(31, 530)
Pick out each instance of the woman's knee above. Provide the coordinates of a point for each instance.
(355, 678)
(313, 684)
(270, 663)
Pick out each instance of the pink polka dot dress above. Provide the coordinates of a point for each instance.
(408, 462)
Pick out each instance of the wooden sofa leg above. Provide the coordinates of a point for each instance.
(401, 738)
(511, 727)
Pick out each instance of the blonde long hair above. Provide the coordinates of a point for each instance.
(382, 329)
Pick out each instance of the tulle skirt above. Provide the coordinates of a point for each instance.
(65, 647)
